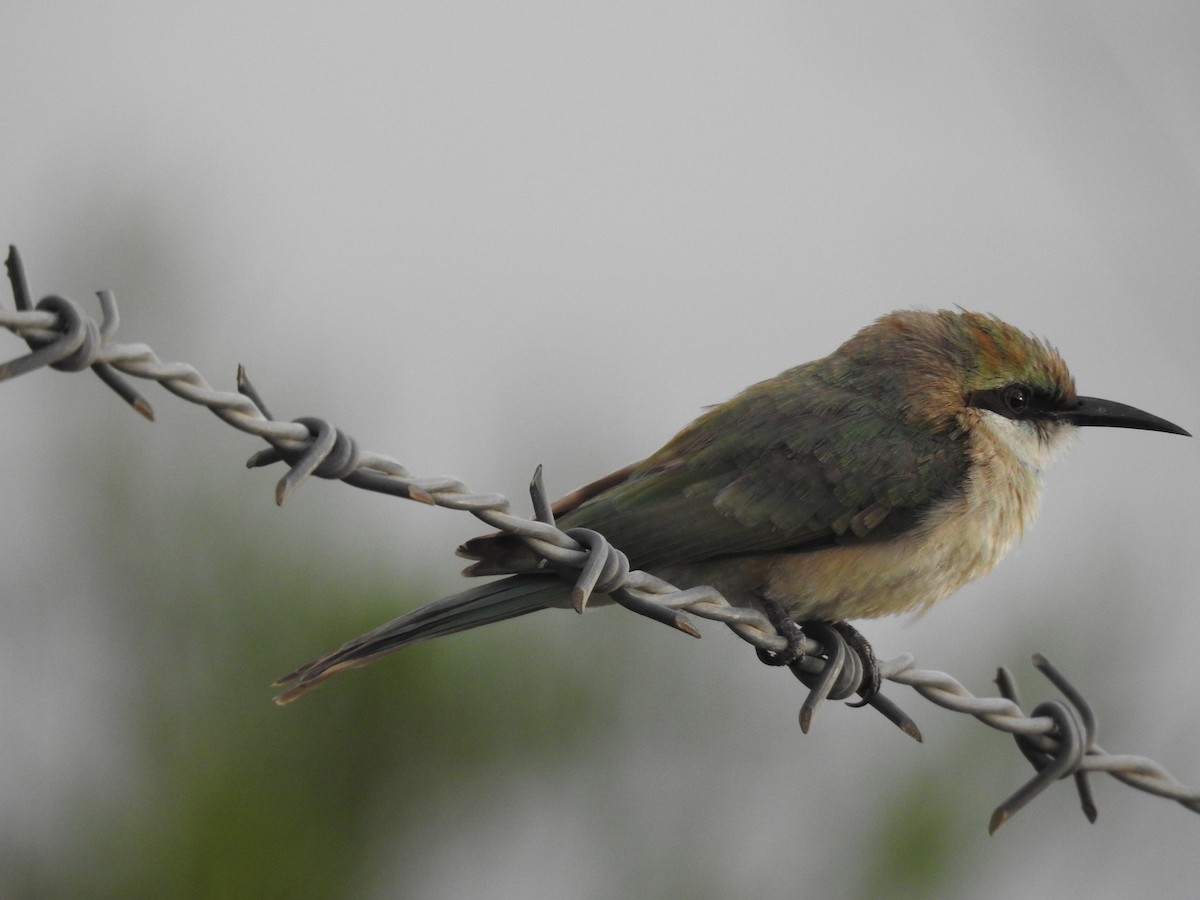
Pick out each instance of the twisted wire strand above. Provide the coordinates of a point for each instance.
(1058, 739)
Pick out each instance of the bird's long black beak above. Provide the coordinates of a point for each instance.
(1094, 411)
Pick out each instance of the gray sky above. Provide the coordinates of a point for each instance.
(484, 236)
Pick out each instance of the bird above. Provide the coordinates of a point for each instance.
(874, 481)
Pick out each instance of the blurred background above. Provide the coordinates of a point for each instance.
(484, 236)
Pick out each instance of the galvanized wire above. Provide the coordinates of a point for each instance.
(1058, 738)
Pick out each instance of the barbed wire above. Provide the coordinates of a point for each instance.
(1058, 738)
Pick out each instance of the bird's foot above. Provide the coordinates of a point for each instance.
(789, 629)
(871, 680)
(839, 639)
(793, 632)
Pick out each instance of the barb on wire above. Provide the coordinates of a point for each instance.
(1059, 739)
(71, 340)
(1047, 736)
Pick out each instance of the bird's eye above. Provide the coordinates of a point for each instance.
(1016, 398)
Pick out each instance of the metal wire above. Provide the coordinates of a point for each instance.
(1058, 738)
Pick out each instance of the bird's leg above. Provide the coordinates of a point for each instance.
(793, 632)
(830, 635)
(856, 642)
(789, 629)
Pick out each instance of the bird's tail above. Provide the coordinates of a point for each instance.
(494, 602)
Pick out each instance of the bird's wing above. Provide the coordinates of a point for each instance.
(769, 471)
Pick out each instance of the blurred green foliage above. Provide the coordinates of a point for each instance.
(225, 794)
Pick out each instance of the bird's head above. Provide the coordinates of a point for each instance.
(960, 370)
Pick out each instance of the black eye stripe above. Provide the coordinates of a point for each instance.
(1017, 401)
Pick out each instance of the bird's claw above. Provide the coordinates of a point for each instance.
(862, 648)
(842, 641)
(793, 632)
(790, 630)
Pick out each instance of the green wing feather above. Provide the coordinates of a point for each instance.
(794, 463)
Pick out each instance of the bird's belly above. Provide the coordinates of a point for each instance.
(960, 540)
(881, 579)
